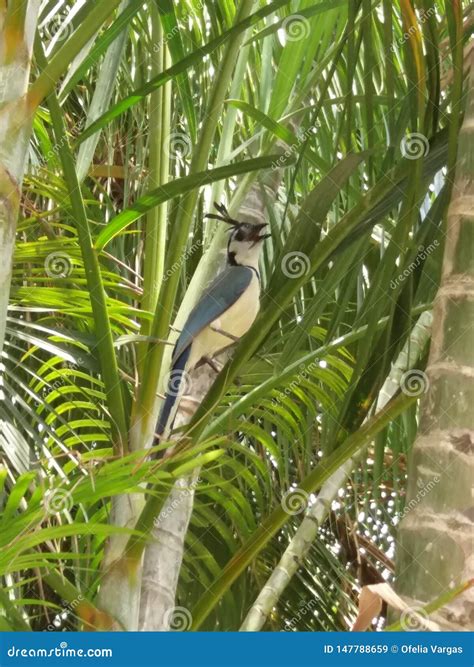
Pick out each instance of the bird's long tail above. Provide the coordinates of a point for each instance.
(175, 388)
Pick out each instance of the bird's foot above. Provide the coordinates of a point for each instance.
(216, 367)
(225, 333)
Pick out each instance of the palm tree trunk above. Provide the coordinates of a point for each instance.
(17, 29)
(164, 554)
(299, 545)
(126, 508)
(122, 599)
(435, 540)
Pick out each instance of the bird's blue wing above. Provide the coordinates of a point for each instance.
(216, 299)
(174, 382)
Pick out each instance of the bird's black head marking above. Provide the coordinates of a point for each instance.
(241, 231)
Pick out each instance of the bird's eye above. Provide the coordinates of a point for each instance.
(240, 235)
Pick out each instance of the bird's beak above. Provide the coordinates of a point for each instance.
(256, 236)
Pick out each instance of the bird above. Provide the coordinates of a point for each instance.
(224, 313)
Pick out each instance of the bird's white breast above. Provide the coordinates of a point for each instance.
(236, 321)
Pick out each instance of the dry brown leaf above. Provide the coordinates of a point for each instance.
(370, 604)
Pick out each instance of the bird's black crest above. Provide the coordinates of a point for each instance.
(223, 214)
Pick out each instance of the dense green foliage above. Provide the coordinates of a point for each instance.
(342, 111)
